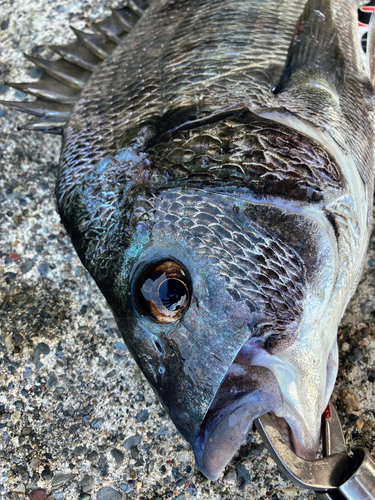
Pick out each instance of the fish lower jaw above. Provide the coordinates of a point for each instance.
(246, 393)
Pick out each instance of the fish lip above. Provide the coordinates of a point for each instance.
(225, 428)
(221, 436)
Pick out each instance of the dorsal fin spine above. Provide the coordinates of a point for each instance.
(63, 80)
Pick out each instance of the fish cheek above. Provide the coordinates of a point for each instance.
(143, 344)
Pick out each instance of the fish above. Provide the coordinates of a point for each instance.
(216, 179)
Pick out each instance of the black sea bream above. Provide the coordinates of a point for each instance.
(216, 179)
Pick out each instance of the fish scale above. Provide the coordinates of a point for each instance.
(231, 147)
(254, 240)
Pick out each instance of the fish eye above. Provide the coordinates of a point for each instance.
(162, 291)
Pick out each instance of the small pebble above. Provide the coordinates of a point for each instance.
(52, 381)
(35, 72)
(35, 462)
(14, 256)
(43, 269)
(27, 266)
(132, 441)
(4, 25)
(345, 347)
(290, 492)
(21, 488)
(80, 450)
(231, 476)
(42, 349)
(125, 488)
(355, 355)
(86, 410)
(243, 474)
(184, 456)
(108, 493)
(47, 473)
(8, 342)
(163, 431)
(359, 423)
(111, 374)
(38, 494)
(61, 479)
(120, 346)
(87, 482)
(97, 423)
(59, 392)
(118, 456)
(142, 416)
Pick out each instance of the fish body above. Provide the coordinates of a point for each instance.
(216, 179)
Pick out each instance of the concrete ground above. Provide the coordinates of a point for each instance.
(77, 418)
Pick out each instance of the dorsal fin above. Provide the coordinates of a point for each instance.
(314, 46)
(62, 81)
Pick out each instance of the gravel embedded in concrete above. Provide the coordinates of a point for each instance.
(70, 393)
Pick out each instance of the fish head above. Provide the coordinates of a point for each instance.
(225, 317)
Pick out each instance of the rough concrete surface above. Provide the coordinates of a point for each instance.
(77, 418)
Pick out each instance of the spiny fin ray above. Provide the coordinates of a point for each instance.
(48, 88)
(314, 46)
(138, 6)
(50, 125)
(126, 17)
(97, 44)
(112, 29)
(63, 71)
(77, 54)
(41, 108)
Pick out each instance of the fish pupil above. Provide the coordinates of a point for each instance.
(173, 294)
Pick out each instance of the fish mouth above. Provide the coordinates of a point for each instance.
(246, 393)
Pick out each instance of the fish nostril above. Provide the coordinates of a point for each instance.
(158, 345)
